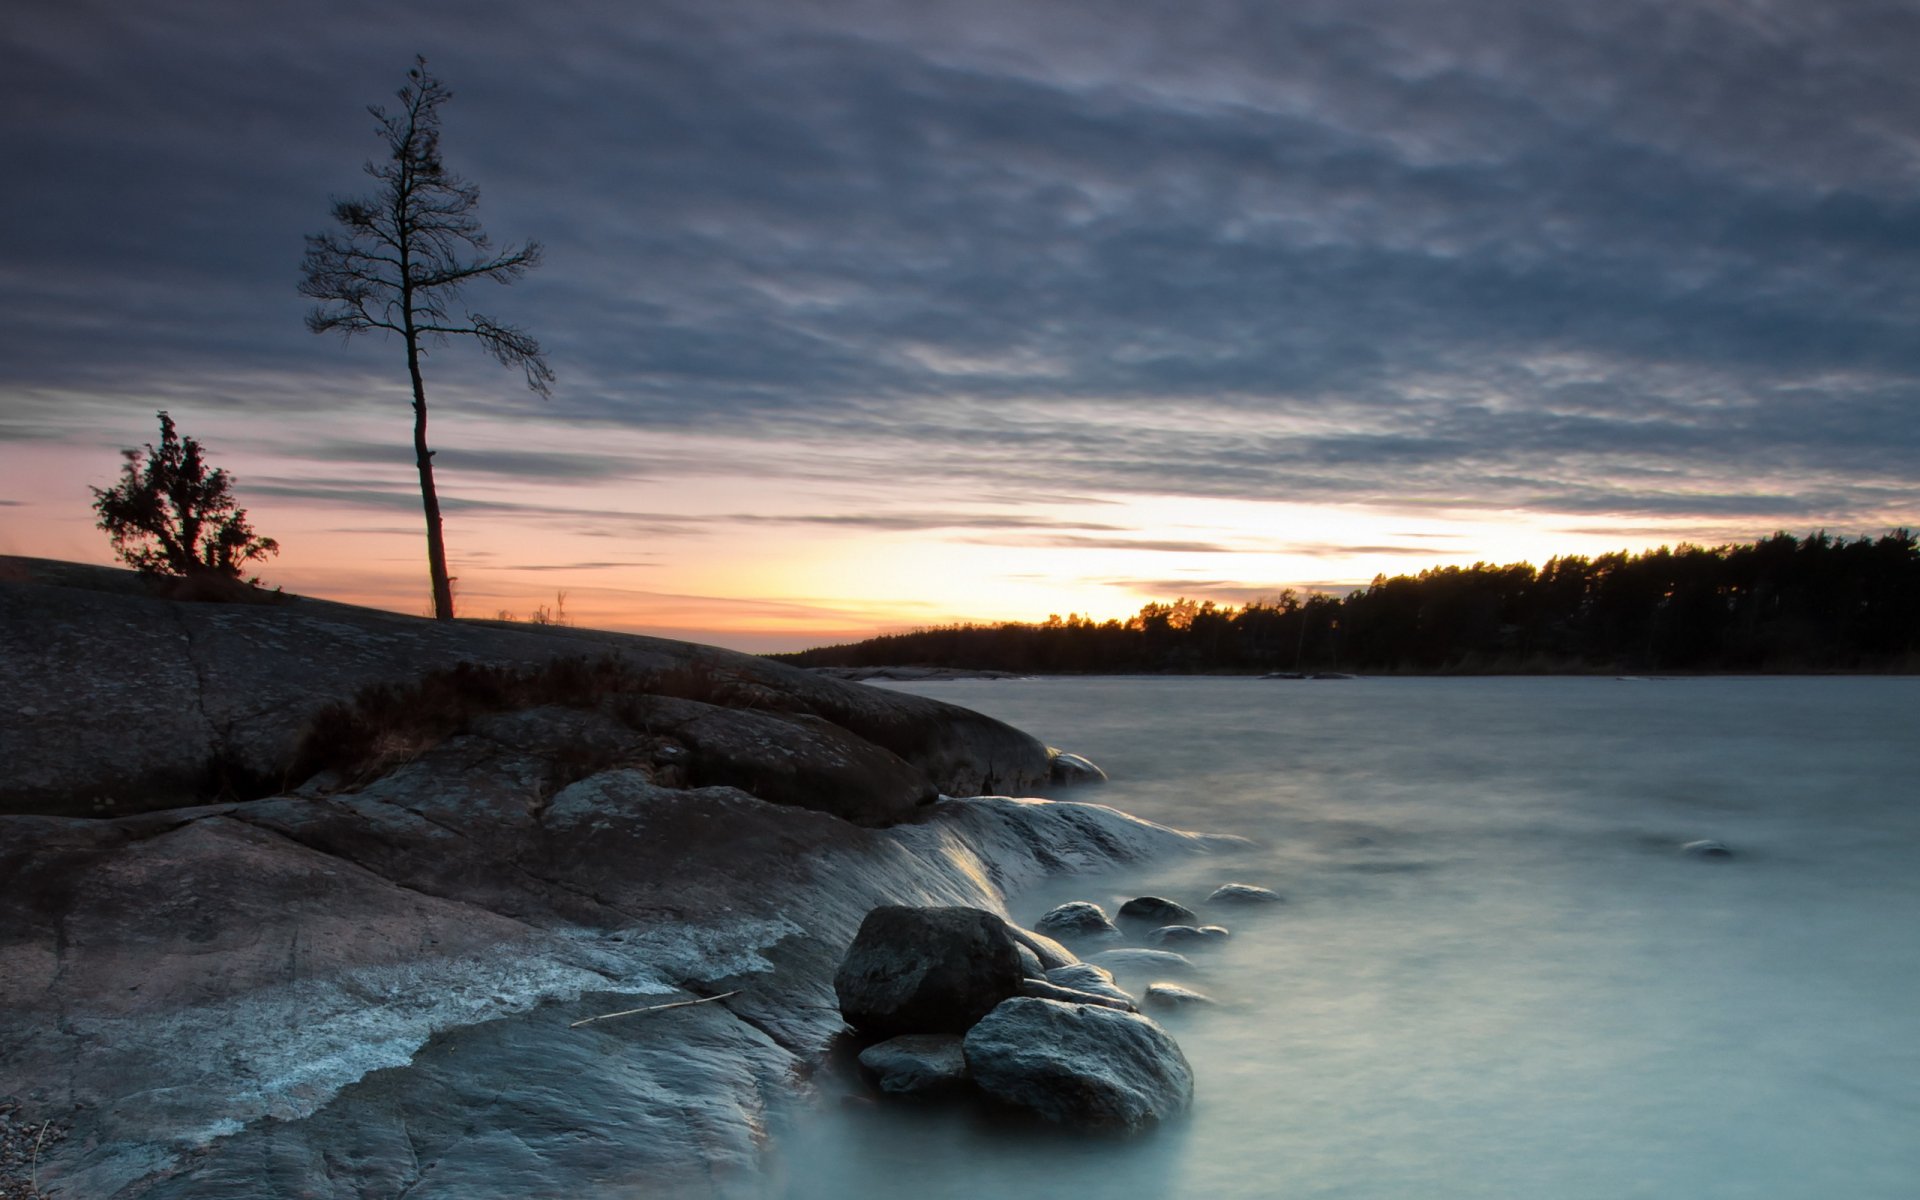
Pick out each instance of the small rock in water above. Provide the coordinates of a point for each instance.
(1079, 1065)
(916, 1062)
(1144, 962)
(1243, 893)
(1071, 768)
(1171, 936)
(1171, 996)
(1078, 921)
(1085, 977)
(1154, 911)
(1707, 848)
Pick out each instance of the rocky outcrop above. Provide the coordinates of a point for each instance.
(1081, 1065)
(121, 700)
(403, 980)
(224, 999)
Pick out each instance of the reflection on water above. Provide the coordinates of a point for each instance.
(1495, 974)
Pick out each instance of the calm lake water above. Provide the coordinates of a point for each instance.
(1496, 975)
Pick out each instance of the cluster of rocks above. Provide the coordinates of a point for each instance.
(958, 997)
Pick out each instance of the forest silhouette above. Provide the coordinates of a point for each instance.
(1780, 604)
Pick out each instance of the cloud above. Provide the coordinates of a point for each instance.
(1365, 253)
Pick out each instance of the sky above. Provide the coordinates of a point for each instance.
(869, 316)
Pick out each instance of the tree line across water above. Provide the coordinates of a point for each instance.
(1782, 603)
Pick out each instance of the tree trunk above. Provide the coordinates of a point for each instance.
(423, 457)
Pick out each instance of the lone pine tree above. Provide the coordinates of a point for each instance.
(399, 264)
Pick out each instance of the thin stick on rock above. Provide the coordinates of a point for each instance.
(33, 1166)
(651, 1008)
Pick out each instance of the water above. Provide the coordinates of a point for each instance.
(1495, 975)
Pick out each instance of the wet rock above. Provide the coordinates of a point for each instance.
(1170, 997)
(1706, 848)
(916, 1063)
(1078, 921)
(1086, 977)
(926, 970)
(1048, 952)
(1071, 768)
(1030, 964)
(1080, 1065)
(1042, 990)
(1151, 912)
(1130, 960)
(1173, 937)
(1244, 893)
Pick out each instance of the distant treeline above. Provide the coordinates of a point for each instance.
(1817, 603)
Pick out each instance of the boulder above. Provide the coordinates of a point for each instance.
(1244, 894)
(1171, 937)
(1043, 990)
(1078, 921)
(926, 970)
(1050, 953)
(916, 1063)
(1130, 960)
(1080, 1065)
(1151, 912)
(1030, 964)
(1071, 768)
(1085, 977)
(1170, 997)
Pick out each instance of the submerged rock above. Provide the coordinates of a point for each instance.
(1706, 848)
(1244, 893)
(1172, 936)
(916, 1063)
(1086, 977)
(1078, 921)
(1071, 768)
(926, 970)
(1133, 960)
(1168, 997)
(1149, 912)
(1080, 1065)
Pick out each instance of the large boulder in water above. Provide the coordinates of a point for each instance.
(926, 970)
(1079, 1064)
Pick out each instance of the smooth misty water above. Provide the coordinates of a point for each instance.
(1495, 976)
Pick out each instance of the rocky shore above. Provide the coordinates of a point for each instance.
(223, 980)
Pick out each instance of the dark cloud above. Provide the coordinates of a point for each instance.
(1588, 259)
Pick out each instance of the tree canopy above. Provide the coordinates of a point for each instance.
(1778, 604)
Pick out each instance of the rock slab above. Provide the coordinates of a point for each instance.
(1079, 1065)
